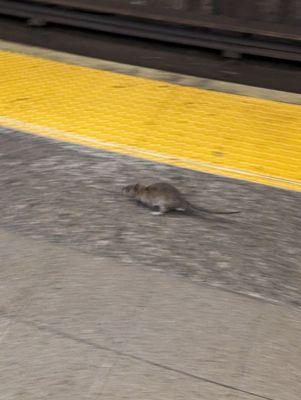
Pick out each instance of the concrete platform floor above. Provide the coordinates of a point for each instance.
(74, 326)
(100, 299)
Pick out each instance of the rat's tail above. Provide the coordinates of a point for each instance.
(193, 208)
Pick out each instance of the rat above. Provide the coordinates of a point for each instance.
(166, 197)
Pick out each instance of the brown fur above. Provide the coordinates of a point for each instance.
(165, 197)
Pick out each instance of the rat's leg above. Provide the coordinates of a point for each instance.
(162, 210)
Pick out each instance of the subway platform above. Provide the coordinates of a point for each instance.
(101, 299)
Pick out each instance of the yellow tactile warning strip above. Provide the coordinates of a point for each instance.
(225, 134)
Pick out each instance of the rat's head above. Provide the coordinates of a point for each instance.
(132, 190)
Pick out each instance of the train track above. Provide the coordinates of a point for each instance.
(226, 41)
(162, 46)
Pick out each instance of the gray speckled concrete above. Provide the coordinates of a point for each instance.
(86, 327)
(71, 195)
(100, 299)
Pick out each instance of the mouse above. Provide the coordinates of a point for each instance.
(165, 197)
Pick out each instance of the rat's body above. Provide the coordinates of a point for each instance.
(165, 197)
